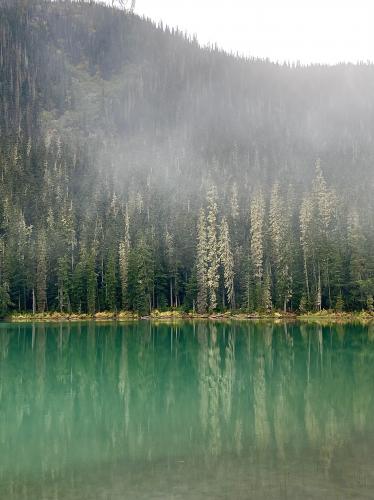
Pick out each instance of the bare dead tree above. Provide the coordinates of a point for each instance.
(125, 4)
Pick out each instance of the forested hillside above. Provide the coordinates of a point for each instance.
(139, 171)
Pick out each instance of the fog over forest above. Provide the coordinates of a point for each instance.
(140, 171)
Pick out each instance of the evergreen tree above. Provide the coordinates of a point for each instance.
(357, 261)
(281, 243)
(339, 306)
(141, 275)
(202, 264)
(64, 283)
(5, 301)
(257, 216)
(172, 269)
(306, 240)
(91, 279)
(267, 303)
(79, 283)
(212, 248)
(234, 203)
(111, 281)
(227, 260)
(325, 234)
(41, 272)
(124, 255)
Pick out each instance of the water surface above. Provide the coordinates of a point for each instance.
(194, 411)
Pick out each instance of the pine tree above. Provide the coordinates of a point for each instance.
(5, 301)
(64, 284)
(172, 268)
(69, 233)
(281, 244)
(41, 272)
(17, 257)
(356, 254)
(124, 256)
(142, 276)
(306, 220)
(257, 215)
(227, 261)
(212, 246)
(111, 281)
(79, 283)
(267, 303)
(234, 203)
(91, 279)
(318, 302)
(325, 235)
(339, 305)
(202, 264)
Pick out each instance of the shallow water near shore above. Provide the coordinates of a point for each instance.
(186, 411)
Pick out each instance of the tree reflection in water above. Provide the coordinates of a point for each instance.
(205, 407)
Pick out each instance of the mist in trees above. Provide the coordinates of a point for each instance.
(140, 171)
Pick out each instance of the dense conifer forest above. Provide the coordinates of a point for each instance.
(141, 171)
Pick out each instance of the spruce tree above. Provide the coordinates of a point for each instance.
(141, 276)
(111, 281)
(202, 264)
(212, 248)
(41, 272)
(124, 256)
(281, 243)
(357, 260)
(257, 216)
(5, 301)
(306, 240)
(172, 268)
(91, 280)
(64, 283)
(327, 254)
(227, 261)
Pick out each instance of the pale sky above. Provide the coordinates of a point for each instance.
(309, 31)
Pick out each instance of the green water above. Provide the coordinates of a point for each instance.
(195, 411)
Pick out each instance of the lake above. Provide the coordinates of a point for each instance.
(198, 410)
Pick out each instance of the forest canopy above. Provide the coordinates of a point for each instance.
(139, 170)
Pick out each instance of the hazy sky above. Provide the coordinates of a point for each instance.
(326, 31)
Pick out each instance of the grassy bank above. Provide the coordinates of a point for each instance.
(324, 316)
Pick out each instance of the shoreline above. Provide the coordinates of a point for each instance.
(324, 316)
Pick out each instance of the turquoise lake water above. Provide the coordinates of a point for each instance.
(195, 411)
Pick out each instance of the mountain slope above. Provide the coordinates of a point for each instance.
(115, 131)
